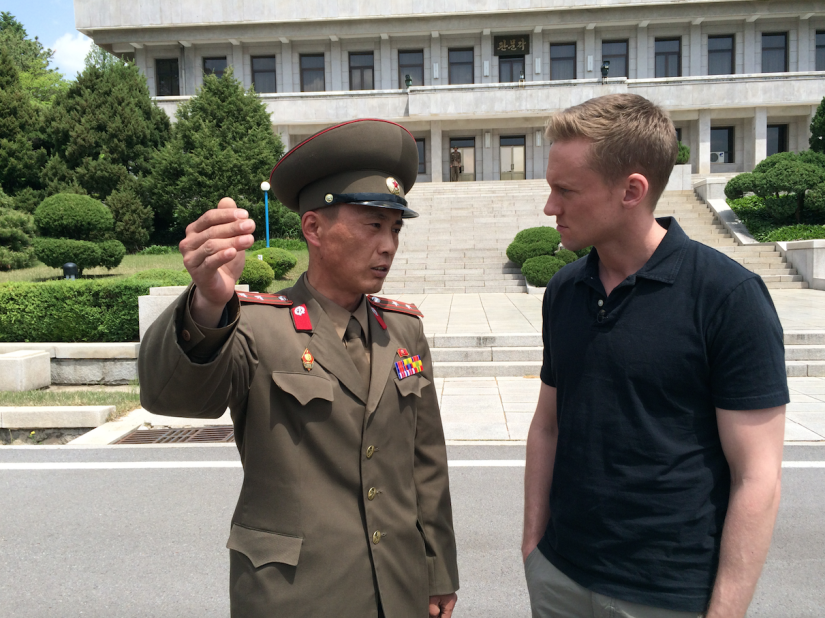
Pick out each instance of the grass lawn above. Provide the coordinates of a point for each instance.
(123, 401)
(133, 264)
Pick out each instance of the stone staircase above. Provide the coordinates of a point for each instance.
(458, 244)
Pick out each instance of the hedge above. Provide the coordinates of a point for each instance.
(290, 244)
(70, 311)
(165, 275)
(16, 232)
(68, 215)
(280, 261)
(566, 256)
(55, 252)
(796, 232)
(539, 270)
(158, 250)
(538, 234)
(257, 274)
(519, 252)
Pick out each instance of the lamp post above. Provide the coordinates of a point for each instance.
(605, 69)
(265, 189)
(408, 81)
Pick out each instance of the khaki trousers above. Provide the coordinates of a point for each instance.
(454, 172)
(554, 595)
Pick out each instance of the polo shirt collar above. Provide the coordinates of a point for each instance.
(662, 266)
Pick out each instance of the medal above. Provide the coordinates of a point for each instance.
(307, 359)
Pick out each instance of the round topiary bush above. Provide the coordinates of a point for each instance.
(16, 233)
(280, 261)
(167, 276)
(582, 252)
(257, 274)
(684, 154)
(539, 270)
(112, 253)
(55, 252)
(68, 215)
(520, 252)
(566, 256)
(538, 234)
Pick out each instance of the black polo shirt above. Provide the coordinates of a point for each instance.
(640, 483)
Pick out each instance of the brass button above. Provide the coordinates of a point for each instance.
(185, 335)
(370, 451)
(372, 493)
(376, 537)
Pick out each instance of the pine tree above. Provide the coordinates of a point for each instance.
(817, 141)
(222, 145)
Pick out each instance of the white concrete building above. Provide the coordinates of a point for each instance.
(741, 79)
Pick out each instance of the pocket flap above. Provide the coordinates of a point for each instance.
(411, 385)
(303, 386)
(262, 547)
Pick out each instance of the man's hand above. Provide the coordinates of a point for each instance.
(213, 253)
(442, 606)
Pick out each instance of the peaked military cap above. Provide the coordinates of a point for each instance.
(368, 161)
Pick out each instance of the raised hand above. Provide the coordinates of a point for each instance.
(213, 253)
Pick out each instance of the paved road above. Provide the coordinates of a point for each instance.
(131, 543)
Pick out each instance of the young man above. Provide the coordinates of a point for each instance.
(345, 505)
(654, 457)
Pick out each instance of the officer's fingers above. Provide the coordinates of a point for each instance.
(210, 264)
(196, 257)
(194, 241)
(227, 202)
(217, 216)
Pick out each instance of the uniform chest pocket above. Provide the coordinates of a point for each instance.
(411, 385)
(303, 386)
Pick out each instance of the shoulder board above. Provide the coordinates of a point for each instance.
(395, 305)
(260, 298)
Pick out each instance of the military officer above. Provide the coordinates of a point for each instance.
(345, 505)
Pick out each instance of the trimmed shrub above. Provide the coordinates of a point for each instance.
(111, 253)
(796, 232)
(566, 256)
(16, 232)
(165, 275)
(90, 310)
(55, 252)
(290, 244)
(684, 154)
(739, 185)
(538, 234)
(158, 250)
(280, 261)
(582, 252)
(68, 215)
(257, 274)
(133, 220)
(539, 270)
(521, 252)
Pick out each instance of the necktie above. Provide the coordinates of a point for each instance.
(356, 350)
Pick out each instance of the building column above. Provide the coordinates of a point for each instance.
(803, 45)
(641, 53)
(590, 56)
(237, 64)
(386, 64)
(336, 65)
(486, 57)
(750, 47)
(760, 135)
(283, 132)
(537, 69)
(435, 151)
(539, 169)
(696, 50)
(487, 155)
(435, 62)
(189, 70)
(704, 141)
(286, 65)
(140, 60)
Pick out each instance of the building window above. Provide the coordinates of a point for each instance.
(721, 56)
(422, 160)
(263, 74)
(312, 73)
(775, 53)
(722, 145)
(820, 51)
(615, 52)
(411, 63)
(563, 61)
(510, 69)
(461, 66)
(678, 134)
(668, 58)
(167, 80)
(214, 66)
(361, 68)
(777, 138)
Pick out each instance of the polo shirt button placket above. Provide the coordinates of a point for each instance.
(601, 316)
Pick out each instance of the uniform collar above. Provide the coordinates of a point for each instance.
(340, 317)
(662, 266)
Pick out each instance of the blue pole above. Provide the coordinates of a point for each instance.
(266, 216)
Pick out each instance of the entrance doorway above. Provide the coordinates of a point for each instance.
(467, 147)
(510, 69)
(512, 157)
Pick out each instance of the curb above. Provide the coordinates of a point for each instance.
(53, 417)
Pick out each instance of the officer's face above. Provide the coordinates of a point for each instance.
(356, 246)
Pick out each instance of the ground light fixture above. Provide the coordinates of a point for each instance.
(605, 69)
(70, 270)
(408, 80)
(265, 188)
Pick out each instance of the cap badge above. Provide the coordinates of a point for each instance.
(393, 186)
(328, 198)
(307, 359)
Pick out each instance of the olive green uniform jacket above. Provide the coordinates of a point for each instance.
(308, 536)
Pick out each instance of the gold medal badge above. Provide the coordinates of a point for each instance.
(307, 359)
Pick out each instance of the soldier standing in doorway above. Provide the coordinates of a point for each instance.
(455, 164)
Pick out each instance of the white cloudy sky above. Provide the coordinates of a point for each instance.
(52, 21)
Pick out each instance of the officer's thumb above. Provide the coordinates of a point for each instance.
(227, 202)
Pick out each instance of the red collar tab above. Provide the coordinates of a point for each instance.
(260, 298)
(378, 318)
(300, 317)
(395, 305)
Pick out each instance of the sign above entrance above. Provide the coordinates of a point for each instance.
(511, 45)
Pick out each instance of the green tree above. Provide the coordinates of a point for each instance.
(817, 140)
(31, 60)
(222, 145)
(102, 131)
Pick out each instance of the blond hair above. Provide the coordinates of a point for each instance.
(629, 135)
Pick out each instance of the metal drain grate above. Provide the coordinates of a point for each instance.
(216, 433)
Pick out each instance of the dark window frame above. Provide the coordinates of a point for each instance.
(361, 69)
(323, 70)
(732, 38)
(422, 160)
(819, 66)
(679, 134)
(206, 71)
(175, 75)
(626, 56)
(274, 71)
(731, 149)
(574, 58)
(787, 49)
(783, 142)
(403, 68)
(512, 60)
(656, 55)
(472, 64)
